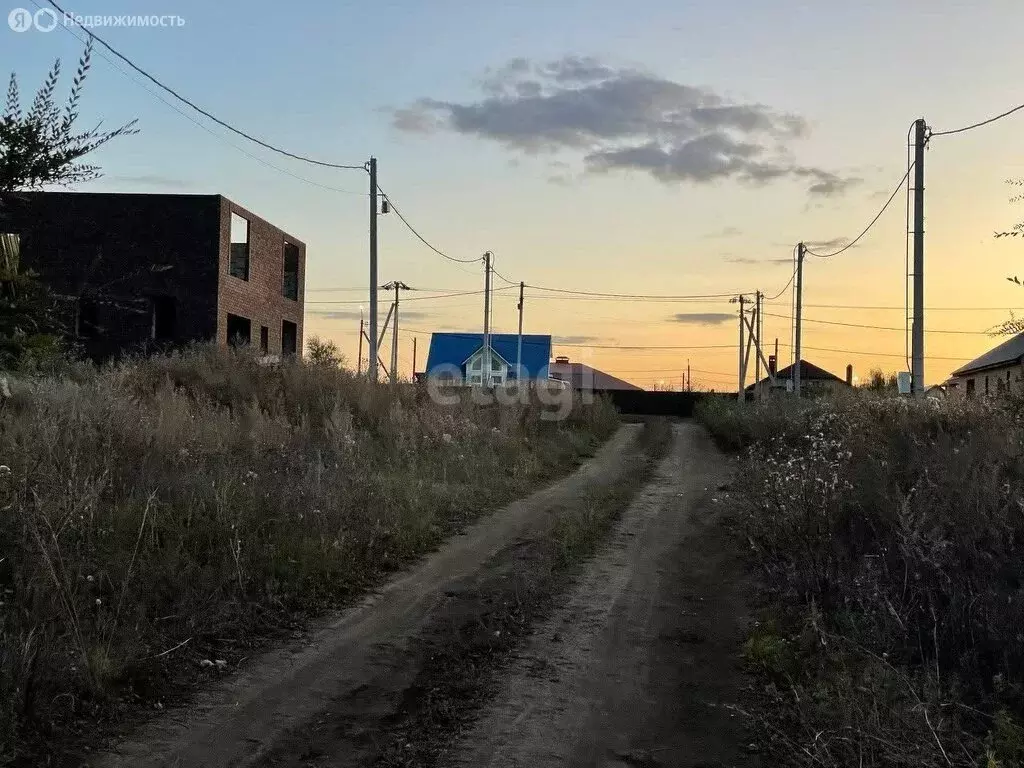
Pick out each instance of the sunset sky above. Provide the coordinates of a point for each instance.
(668, 147)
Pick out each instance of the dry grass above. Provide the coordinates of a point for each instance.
(162, 514)
(890, 536)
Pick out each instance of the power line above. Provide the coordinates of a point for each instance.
(411, 298)
(874, 354)
(556, 343)
(876, 327)
(624, 300)
(364, 289)
(451, 295)
(1007, 113)
(199, 109)
(206, 128)
(420, 237)
(930, 309)
(496, 272)
(663, 297)
(870, 225)
(785, 287)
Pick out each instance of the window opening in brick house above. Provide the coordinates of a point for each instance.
(239, 262)
(87, 319)
(239, 330)
(264, 339)
(289, 338)
(970, 386)
(986, 385)
(290, 287)
(165, 316)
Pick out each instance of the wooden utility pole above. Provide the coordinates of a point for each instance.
(757, 358)
(372, 369)
(414, 358)
(917, 331)
(396, 286)
(740, 394)
(801, 249)
(359, 359)
(485, 363)
(380, 362)
(519, 342)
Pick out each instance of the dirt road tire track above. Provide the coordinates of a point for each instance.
(637, 666)
(239, 722)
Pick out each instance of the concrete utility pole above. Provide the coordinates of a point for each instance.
(396, 286)
(414, 358)
(485, 363)
(372, 369)
(801, 249)
(917, 332)
(519, 341)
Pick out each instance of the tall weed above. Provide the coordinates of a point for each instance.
(164, 513)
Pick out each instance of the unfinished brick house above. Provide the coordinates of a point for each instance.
(138, 272)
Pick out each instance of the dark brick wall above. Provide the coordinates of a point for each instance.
(124, 248)
(121, 249)
(261, 297)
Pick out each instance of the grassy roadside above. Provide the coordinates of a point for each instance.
(461, 654)
(888, 536)
(164, 517)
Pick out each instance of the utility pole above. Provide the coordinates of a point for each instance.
(379, 361)
(414, 358)
(372, 369)
(740, 395)
(757, 358)
(485, 363)
(776, 370)
(917, 332)
(801, 249)
(396, 286)
(359, 359)
(519, 342)
(689, 386)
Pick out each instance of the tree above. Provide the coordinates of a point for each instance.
(40, 146)
(878, 381)
(1015, 324)
(324, 352)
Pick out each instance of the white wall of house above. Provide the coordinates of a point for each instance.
(993, 381)
(474, 369)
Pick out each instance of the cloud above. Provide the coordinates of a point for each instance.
(619, 118)
(752, 260)
(724, 232)
(703, 318)
(576, 339)
(835, 242)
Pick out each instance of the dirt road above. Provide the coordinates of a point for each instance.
(487, 654)
(360, 659)
(636, 666)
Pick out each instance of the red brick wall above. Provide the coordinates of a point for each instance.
(259, 298)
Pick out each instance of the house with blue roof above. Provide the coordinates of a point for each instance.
(459, 357)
